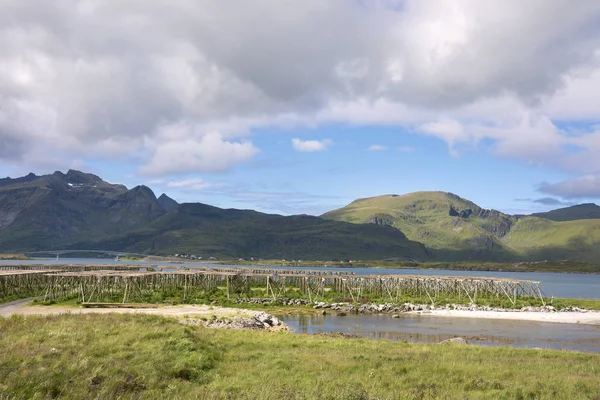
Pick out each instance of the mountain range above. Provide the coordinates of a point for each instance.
(77, 210)
(81, 211)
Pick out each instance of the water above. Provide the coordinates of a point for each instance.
(583, 286)
(434, 329)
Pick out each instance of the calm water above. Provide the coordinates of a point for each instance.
(431, 329)
(585, 286)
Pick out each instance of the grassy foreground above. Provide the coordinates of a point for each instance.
(136, 356)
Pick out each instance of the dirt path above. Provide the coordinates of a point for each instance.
(23, 307)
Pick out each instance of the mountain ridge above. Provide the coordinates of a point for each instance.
(82, 211)
(452, 227)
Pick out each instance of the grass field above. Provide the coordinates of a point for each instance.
(135, 356)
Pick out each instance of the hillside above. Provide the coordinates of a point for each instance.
(536, 238)
(210, 231)
(49, 211)
(81, 211)
(453, 228)
(573, 213)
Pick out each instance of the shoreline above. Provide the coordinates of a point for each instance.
(23, 307)
(560, 317)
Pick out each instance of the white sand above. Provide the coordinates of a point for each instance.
(588, 318)
(22, 307)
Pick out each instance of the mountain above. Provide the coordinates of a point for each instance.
(450, 226)
(200, 229)
(77, 210)
(453, 228)
(580, 211)
(50, 211)
(81, 211)
(167, 203)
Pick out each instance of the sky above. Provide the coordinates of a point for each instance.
(301, 107)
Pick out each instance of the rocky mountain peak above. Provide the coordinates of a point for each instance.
(167, 203)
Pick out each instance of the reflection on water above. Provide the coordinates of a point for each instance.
(584, 286)
(431, 329)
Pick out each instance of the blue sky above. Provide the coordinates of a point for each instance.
(360, 162)
(279, 107)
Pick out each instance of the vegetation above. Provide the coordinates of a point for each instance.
(453, 228)
(136, 356)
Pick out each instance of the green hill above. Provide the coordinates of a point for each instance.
(450, 226)
(453, 228)
(580, 211)
(536, 238)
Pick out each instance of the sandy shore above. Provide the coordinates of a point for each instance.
(23, 307)
(588, 318)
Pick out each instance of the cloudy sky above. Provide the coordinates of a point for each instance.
(302, 106)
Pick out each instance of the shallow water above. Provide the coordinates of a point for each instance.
(584, 286)
(434, 329)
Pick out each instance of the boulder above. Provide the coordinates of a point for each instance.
(456, 340)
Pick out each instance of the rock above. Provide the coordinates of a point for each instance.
(341, 314)
(395, 316)
(324, 312)
(456, 340)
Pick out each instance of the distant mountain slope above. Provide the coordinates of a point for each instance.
(167, 203)
(536, 238)
(81, 211)
(450, 226)
(580, 211)
(46, 211)
(453, 228)
(204, 230)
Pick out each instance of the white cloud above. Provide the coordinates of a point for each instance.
(376, 147)
(311, 145)
(189, 154)
(103, 80)
(194, 184)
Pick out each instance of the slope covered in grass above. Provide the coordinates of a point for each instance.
(452, 227)
(135, 356)
(538, 238)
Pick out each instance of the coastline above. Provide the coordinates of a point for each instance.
(566, 317)
(23, 307)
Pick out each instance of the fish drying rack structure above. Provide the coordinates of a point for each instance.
(130, 283)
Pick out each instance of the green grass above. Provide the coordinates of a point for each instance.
(135, 356)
